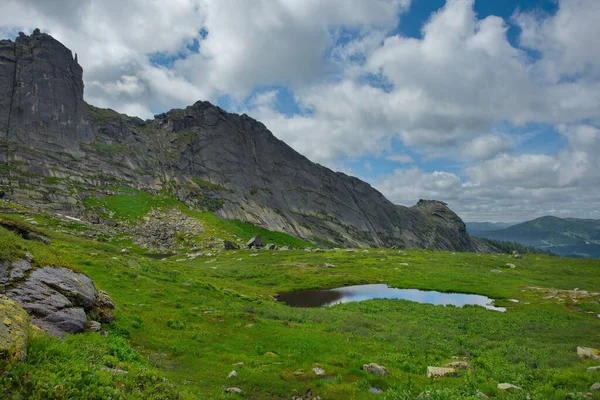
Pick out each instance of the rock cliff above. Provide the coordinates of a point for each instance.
(56, 150)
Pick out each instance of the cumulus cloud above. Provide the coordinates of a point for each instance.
(485, 147)
(513, 187)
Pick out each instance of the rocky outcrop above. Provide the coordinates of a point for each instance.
(58, 300)
(60, 151)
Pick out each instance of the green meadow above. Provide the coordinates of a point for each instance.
(184, 323)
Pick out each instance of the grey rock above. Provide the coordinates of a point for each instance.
(595, 386)
(233, 390)
(318, 371)
(375, 369)
(69, 320)
(75, 286)
(271, 246)
(56, 299)
(19, 268)
(254, 243)
(228, 245)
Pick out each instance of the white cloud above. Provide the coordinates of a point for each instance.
(508, 187)
(485, 147)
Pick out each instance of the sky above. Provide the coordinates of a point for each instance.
(491, 106)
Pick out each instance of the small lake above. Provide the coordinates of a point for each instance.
(348, 294)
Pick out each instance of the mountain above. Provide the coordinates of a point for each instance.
(59, 153)
(563, 236)
(474, 228)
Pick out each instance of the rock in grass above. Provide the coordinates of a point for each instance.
(588, 352)
(508, 386)
(14, 330)
(232, 374)
(318, 371)
(438, 372)
(482, 395)
(271, 246)
(233, 390)
(509, 265)
(593, 369)
(375, 369)
(595, 386)
(254, 243)
(228, 245)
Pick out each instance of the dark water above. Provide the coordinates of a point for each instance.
(348, 294)
(158, 256)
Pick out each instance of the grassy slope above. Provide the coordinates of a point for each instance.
(196, 319)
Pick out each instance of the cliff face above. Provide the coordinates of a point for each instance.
(57, 150)
(41, 95)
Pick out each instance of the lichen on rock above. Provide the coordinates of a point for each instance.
(14, 330)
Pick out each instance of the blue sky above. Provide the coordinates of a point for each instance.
(491, 106)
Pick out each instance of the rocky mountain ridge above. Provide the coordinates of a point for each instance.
(56, 151)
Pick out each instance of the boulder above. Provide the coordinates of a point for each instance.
(587, 352)
(57, 300)
(233, 390)
(228, 245)
(14, 330)
(254, 243)
(375, 369)
(438, 372)
(595, 386)
(271, 246)
(318, 371)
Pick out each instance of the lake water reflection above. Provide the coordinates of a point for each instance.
(347, 294)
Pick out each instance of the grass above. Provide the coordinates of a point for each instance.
(133, 205)
(193, 321)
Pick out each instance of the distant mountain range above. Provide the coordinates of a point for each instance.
(570, 237)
